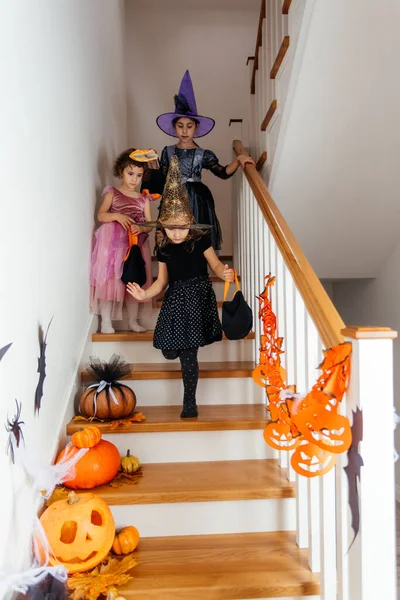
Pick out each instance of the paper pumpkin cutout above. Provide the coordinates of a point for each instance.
(311, 461)
(279, 435)
(311, 425)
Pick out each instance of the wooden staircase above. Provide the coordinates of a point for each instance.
(215, 511)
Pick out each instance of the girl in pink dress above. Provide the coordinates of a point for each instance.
(123, 208)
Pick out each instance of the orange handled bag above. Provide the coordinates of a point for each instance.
(237, 316)
(134, 269)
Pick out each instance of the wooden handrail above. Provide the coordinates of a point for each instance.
(318, 304)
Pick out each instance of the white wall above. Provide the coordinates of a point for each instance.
(212, 40)
(336, 177)
(62, 121)
(376, 303)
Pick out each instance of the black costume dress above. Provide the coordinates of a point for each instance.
(192, 161)
(189, 314)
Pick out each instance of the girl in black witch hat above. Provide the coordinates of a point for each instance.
(185, 124)
(189, 315)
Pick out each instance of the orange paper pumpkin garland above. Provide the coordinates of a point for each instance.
(311, 426)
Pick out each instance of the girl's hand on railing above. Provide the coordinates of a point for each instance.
(228, 274)
(243, 160)
(137, 292)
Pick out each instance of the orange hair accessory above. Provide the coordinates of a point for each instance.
(144, 155)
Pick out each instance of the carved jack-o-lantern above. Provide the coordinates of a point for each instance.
(280, 436)
(328, 430)
(311, 461)
(80, 531)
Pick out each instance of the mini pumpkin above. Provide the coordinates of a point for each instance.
(99, 465)
(87, 437)
(130, 464)
(106, 398)
(80, 531)
(126, 540)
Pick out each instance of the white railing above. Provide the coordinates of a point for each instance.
(270, 72)
(309, 322)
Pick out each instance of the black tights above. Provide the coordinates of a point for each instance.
(190, 376)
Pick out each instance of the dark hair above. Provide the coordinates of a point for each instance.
(162, 240)
(123, 161)
(174, 121)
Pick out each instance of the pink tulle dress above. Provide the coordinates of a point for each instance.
(109, 251)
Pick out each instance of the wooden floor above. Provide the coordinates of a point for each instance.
(221, 567)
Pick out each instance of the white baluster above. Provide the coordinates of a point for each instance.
(301, 385)
(328, 534)
(313, 360)
(372, 557)
(280, 313)
(290, 344)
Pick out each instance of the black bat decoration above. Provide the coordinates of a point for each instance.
(41, 367)
(13, 427)
(4, 350)
(353, 471)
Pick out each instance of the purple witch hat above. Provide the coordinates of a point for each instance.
(185, 106)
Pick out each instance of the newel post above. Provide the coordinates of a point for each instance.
(368, 570)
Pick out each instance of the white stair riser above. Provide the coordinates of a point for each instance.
(166, 392)
(193, 446)
(206, 518)
(144, 352)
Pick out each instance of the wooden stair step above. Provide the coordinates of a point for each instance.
(221, 567)
(208, 370)
(219, 417)
(202, 482)
(146, 336)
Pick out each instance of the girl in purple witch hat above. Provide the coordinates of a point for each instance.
(186, 124)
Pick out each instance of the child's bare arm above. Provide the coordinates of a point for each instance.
(154, 290)
(222, 271)
(137, 228)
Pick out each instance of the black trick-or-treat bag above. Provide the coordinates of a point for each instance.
(237, 316)
(134, 269)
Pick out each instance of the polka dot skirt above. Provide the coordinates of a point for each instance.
(188, 316)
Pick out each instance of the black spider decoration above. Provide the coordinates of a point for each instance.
(13, 427)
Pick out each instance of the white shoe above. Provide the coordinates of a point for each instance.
(107, 328)
(134, 326)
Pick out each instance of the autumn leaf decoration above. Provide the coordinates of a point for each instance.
(103, 580)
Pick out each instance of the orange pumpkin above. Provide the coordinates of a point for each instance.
(86, 438)
(311, 461)
(115, 401)
(126, 540)
(280, 436)
(99, 465)
(80, 531)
